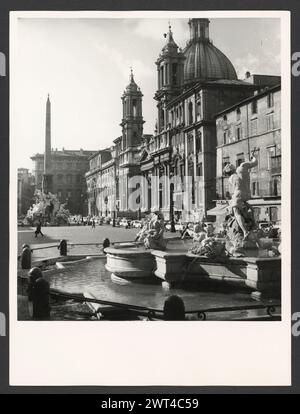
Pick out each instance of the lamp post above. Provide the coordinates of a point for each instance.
(105, 202)
(173, 230)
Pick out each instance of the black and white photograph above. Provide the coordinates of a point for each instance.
(146, 171)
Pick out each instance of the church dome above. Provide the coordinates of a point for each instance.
(203, 60)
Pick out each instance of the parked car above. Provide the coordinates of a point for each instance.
(106, 220)
(137, 224)
(178, 226)
(125, 223)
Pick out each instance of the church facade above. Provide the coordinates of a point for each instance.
(176, 166)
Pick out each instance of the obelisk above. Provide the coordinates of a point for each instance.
(47, 177)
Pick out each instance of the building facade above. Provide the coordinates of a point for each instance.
(26, 189)
(253, 125)
(193, 85)
(112, 171)
(178, 166)
(62, 172)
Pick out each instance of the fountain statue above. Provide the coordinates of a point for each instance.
(241, 231)
(48, 208)
(239, 235)
(152, 233)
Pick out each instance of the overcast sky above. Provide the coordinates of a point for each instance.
(84, 65)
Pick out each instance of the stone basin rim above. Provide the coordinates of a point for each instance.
(128, 250)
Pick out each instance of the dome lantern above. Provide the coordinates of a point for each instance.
(204, 61)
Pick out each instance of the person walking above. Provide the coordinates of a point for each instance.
(38, 229)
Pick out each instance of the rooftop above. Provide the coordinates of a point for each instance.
(264, 92)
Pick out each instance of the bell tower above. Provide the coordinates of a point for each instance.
(132, 135)
(169, 76)
(132, 121)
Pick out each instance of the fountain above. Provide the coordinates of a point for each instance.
(135, 260)
(48, 209)
(239, 255)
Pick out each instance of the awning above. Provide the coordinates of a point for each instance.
(219, 210)
(259, 202)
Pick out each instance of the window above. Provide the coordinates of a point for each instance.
(276, 186)
(191, 118)
(59, 194)
(270, 100)
(172, 118)
(271, 153)
(254, 107)
(238, 133)
(174, 73)
(69, 193)
(239, 159)
(180, 112)
(198, 110)
(69, 179)
(226, 160)
(225, 138)
(78, 178)
(198, 142)
(253, 126)
(134, 108)
(238, 114)
(255, 188)
(162, 118)
(200, 170)
(270, 122)
(276, 164)
(274, 214)
(190, 144)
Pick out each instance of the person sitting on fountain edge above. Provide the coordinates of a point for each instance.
(239, 180)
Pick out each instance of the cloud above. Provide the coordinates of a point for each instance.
(124, 63)
(154, 29)
(258, 64)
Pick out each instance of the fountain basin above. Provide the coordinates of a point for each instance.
(174, 266)
(130, 262)
(257, 273)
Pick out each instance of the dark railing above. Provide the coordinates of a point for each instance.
(158, 314)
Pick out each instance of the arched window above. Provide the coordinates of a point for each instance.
(134, 108)
(191, 118)
(199, 110)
